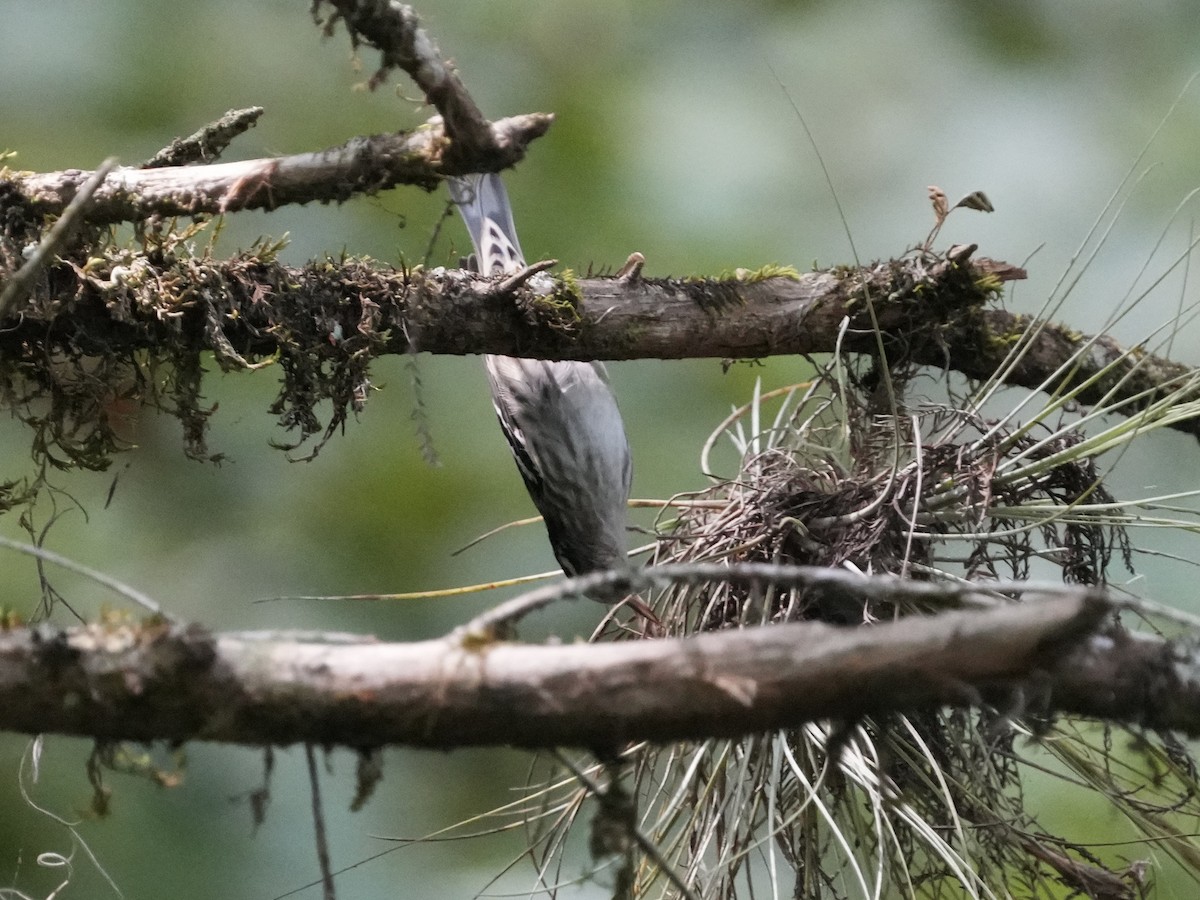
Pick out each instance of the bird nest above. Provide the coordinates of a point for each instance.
(930, 804)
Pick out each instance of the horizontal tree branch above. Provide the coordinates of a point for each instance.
(362, 165)
(163, 683)
(931, 311)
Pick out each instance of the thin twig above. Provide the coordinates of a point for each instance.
(501, 618)
(314, 786)
(95, 575)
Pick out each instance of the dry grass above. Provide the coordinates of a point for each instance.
(929, 805)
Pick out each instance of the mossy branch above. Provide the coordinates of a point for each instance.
(323, 324)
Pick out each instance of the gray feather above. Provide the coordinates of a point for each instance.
(560, 418)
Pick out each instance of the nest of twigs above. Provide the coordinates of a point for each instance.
(909, 805)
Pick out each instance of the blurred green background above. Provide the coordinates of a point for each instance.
(675, 138)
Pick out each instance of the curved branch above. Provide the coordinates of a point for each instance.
(395, 30)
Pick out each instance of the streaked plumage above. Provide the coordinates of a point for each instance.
(560, 418)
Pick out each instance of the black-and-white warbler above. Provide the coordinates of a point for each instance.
(560, 417)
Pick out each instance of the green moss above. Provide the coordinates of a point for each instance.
(747, 276)
(771, 270)
(1000, 343)
(989, 284)
(559, 310)
(567, 292)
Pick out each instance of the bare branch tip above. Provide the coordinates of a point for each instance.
(632, 270)
(515, 280)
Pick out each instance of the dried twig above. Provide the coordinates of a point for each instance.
(516, 279)
(820, 581)
(207, 144)
(314, 786)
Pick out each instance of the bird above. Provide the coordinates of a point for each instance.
(560, 417)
